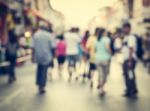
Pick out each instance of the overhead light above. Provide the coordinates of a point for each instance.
(27, 34)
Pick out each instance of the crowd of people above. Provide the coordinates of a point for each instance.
(95, 50)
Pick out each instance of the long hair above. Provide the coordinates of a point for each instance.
(100, 35)
(97, 31)
(86, 35)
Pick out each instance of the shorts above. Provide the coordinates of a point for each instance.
(92, 66)
(72, 59)
(86, 55)
(61, 59)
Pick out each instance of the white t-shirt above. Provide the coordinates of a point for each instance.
(118, 43)
(130, 40)
(72, 42)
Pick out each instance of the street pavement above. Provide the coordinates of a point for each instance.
(74, 96)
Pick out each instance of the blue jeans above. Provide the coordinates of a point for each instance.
(41, 75)
(72, 59)
(130, 82)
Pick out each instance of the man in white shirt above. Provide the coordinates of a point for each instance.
(129, 65)
(72, 40)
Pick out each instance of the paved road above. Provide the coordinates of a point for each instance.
(76, 96)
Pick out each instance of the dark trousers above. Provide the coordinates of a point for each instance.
(12, 66)
(41, 75)
(130, 82)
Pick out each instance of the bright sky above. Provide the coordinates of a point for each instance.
(79, 12)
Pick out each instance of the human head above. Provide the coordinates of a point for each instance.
(71, 29)
(97, 31)
(61, 37)
(77, 29)
(127, 28)
(102, 33)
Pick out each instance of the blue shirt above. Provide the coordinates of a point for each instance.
(102, 53)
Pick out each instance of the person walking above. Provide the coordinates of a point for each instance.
(72, 40)
(61, 52)
(85, 56)
(102, 58)
(90, 47)
(42, 45)
(11, 55)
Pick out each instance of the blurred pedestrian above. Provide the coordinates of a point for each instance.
(129, 51)
(85, 55)
(72, 40)
(147, 51)
(112, 42)
(102, 58)
(90, 46)
(140, 51)
(42, 45)
(11, 55)
(61, 53)
(53, 50)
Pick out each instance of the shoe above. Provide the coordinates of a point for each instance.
(41, 90)
(131, 93)
(102, 94)
(84, 75)
(135, 92)
(127, 94)
(76, 79)
(99, 86)
(89, 76)
(11, 80)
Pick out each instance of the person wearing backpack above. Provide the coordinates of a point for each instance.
(11, 55)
